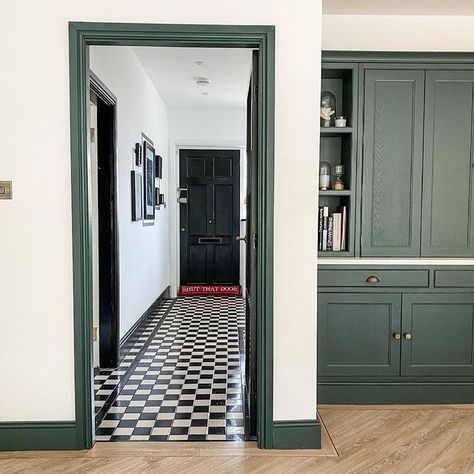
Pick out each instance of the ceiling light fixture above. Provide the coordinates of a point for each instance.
(199, 62)
(202, 81)
(204, 93)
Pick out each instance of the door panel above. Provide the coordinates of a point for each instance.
(442, 334)
(448, 165)
(224, 197)
(209, 220)
(197, 202)
(392, 163)
(356, 334)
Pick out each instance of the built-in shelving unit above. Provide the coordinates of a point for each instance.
(338, 146)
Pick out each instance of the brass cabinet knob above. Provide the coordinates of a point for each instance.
(397, 336)
(372, 279)
(407, 336)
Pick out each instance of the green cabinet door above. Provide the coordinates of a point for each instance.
(356, 334)
(448, 187)
(392, 163)
(438, 334)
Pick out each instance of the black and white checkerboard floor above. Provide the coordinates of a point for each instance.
(180, 378)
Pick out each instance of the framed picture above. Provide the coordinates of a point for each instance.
(138, 154)
(137, 202)
(158, 166)
(149, 178)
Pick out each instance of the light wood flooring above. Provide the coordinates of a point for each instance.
(395, 439)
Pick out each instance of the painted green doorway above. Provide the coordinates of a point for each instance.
(83, 35)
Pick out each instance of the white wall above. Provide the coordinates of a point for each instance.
(398, 33)
(208, 125)
(36, 316)
(143, 250)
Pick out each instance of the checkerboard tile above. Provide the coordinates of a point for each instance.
(179, 380)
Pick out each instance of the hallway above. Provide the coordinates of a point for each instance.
(180, 378)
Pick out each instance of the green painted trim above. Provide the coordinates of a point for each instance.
(299, 434)
(81, 36)
(37, 436)
(379, 393)
(398, 57)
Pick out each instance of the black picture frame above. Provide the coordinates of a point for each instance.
(137, 202)
(138, 154)
(148, 152)
(158, 166)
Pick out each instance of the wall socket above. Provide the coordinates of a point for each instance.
(94, 334)
(6, 190)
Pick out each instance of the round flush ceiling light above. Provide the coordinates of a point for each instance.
(204, 93)
(198, 62)
(202, 81)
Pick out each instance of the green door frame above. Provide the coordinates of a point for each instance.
(81, 36)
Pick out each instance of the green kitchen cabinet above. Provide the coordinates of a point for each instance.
(448, 184)
(438, 334)
(358, 334)
(392, 162)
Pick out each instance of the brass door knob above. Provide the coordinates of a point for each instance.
(407, 336)
(397, 336)
(372, 279)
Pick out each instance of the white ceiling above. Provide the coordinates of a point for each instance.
(398, 7)
(174, 72)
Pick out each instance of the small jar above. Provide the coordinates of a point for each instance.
(340, 122)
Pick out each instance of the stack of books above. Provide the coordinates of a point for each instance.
(332, 235)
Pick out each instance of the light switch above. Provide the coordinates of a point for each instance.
(6, 190)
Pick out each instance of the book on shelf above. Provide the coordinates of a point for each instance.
(325, 228)
(332, 229)
(343, 211)
(320, 228)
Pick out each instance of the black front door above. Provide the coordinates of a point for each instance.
(209, 216)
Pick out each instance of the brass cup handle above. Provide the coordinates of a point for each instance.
(372, 279)
(407, 336)
(397, 336)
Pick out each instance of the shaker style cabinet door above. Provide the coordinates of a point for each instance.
(448, 189)
(438, 334)
(392, 163)
(359, 334)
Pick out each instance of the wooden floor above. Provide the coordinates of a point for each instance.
(397, 439)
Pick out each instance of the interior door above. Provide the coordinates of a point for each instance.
(251, 253)
(209, 220)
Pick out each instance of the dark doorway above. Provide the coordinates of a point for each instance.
(209, 216)
(108, 273)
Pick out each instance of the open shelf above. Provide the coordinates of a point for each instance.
(331, 192)
(335, 130)
(338, 146)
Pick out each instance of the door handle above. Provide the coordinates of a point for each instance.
(241, 239)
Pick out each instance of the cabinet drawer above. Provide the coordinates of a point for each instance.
(373, 278)
(454, 278)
